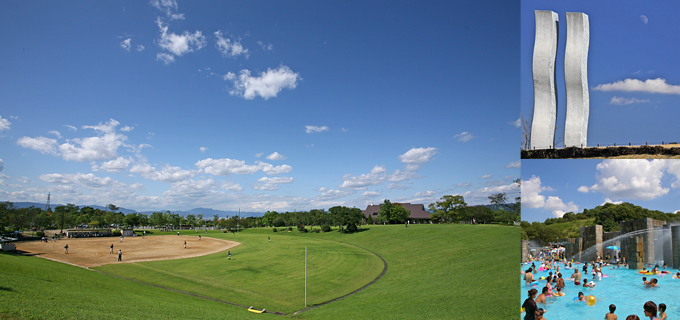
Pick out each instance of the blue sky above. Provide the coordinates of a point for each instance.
(551, 188)
(633, 74)
(257, 105)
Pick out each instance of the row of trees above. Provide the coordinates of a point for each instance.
(609, 215)
(450, 209)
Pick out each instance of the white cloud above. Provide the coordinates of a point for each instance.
(464, 184)
(230, 186)
(424, 194)
(126, 129)
(315, 129)
(363, 181)
(650, 85)
(322, 189)
(334, 194)
(140, 47)
(517, 123)
(228, 47)
(266, 47)
(70, 127)
(2, 166)
(464, 136)
(630, 179)
(401, 176)
(168, 7)
(126, 44)
(644, 19)
(531, 189)
(412, 167)
(370, 194)
(177, 44)
(4, 124)
(620, 101)
(583, 189)
(275, 156)
(272, 183)
(117, 165)
(515, 165)
(378, 169)
(607, 200)
(166, 174)
(42, 144)
(558, 207)
(486, 176)
(674, 169)
(344, 130)
(267, 85)
(86, 180)
(418, 155)
(56, 133)
(203, 149)
(100, 147)
(257, 155)
(226, 166)
(396, 186)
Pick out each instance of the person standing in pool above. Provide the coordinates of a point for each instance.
(577, 277)
(650, 310)
(528, 277)
(560, 282)
(529, 305)
(541, 297)
(611, 315)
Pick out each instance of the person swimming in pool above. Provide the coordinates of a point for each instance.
(541, 297)
(581, 297)
(528, 277)
(587, 284)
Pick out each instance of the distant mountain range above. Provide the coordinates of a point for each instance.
(206, 212)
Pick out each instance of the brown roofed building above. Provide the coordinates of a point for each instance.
(418, 213)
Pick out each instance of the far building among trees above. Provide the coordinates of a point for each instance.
(417, 213)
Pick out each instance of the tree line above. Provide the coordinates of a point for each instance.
(609, 215)
(450, 209)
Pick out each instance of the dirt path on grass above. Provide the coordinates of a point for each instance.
(94, 252)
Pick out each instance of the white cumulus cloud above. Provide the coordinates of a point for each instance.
(166, 174)
(418, 155)
(117, 165)
(315, 129)
(464, 136)
(275, 156)
(228, 47)
(126, 44)
(42, 144)
(658, 85)
(226, 166)
(169, 7)
(267, 85)
(424, 194)
(177, 44)
(630, 179)
(515, 165)
(4, 124)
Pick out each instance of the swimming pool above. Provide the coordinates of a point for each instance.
(622, 288)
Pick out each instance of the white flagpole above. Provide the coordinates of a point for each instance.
(305, 277)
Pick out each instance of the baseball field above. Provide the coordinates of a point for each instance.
(423, 271)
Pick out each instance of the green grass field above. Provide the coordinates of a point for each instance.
(435, 271)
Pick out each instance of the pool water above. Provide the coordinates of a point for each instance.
(623, 287)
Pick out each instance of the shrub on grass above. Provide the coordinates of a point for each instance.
(275, 230)
(317, 230)
(290, 228)
(326, 228)
(116, 233)
(352, 228)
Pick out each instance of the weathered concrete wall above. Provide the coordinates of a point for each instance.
(675, 246)
(545, 87)
(576, 80)
(647, 237)
(610, 235)
(568, 248)
(592, 236)
(525, 250)
(636, 252)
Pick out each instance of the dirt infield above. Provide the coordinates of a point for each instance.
(94, 252)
